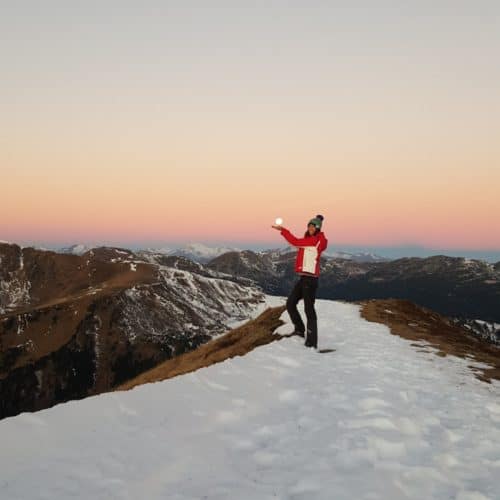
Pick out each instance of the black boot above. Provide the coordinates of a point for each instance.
(312, 337)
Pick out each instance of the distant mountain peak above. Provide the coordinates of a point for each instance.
(76, 249)
(355, 256)
(196, 251)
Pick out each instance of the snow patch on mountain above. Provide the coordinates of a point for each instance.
(185, 304)
(277, 252)
(355, 257)
(77, 249)
(209, 294)
(487, 330)
(197, 252)
(14, 292)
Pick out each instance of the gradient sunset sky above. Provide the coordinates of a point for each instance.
(157, 123)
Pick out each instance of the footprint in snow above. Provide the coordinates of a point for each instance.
(372, 403)
(387, 449)
(289, 396)
(287, 361)
(381, 423)
(263, 457)
(215, 385)
(264, 431)
(304, 487)
(239, 402)
(226, 416)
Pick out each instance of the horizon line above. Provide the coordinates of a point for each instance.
(424, 251)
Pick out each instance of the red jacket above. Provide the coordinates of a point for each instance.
(309, 253)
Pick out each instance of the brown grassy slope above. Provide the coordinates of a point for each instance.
(237, 342)
(417, 323)
(43, 328)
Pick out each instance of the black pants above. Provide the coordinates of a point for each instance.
(305, 289)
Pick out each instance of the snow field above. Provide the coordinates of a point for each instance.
(376, 419)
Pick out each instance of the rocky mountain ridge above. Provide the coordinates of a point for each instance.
(453, 286)
(73, 326)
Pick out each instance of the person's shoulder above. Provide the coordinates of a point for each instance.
(322, 237)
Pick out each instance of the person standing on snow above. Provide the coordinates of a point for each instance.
(307, 267)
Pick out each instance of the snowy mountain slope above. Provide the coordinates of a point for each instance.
(185, 264)
(357, 256)
(374, 419)
(76, 249)
(197, 252)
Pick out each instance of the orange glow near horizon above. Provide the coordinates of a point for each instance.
(165, 127)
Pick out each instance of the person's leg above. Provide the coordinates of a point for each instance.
(309, 294)
(291, 306)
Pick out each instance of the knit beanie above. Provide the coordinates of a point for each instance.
(316, 221)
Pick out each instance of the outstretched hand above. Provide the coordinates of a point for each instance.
(275, 226)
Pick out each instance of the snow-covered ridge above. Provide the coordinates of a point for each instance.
(374, 419)
(197, 252)
(77, 249)
(357, 256)
(186, 303)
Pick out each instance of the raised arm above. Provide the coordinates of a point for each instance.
(297, 242)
